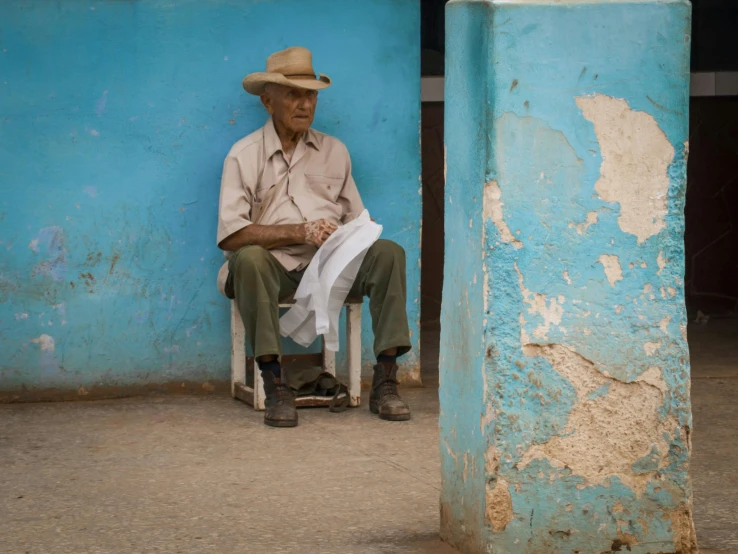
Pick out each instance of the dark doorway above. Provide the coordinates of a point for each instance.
(711, 236)
(431, 286)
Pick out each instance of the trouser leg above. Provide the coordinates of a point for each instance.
(382, 278)
(259, 281)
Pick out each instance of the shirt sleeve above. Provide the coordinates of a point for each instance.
(349, 199)
(234, 210)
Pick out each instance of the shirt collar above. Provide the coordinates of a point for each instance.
(272, 144)
(313, 139)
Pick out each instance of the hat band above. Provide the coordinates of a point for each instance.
(301, 76)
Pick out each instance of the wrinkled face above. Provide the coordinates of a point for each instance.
(292, 109)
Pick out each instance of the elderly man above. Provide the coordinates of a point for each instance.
(285, 189)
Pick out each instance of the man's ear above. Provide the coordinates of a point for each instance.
(267, 101)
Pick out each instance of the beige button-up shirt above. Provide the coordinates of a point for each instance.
(260, 185)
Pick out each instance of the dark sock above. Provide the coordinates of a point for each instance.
(273, 367)
(387, 361)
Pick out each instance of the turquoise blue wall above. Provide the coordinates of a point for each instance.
(565, 412)
(115, 120)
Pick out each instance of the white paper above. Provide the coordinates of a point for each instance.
(326, 283)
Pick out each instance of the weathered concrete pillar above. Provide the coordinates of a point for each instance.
(565, 411)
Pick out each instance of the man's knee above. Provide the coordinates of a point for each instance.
(387, 250)
(251, 259)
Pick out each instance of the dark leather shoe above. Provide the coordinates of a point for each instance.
(384, 399)
(280, 402)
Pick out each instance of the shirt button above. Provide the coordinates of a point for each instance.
(292, 198)
(305, 219)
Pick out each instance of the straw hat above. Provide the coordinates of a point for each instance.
(292, 67)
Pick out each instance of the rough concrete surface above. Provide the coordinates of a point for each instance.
(202, 474)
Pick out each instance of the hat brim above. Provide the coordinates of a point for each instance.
(255, 83)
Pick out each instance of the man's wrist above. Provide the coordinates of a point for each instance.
(301, 233)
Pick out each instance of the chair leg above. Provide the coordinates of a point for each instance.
(259, 394)
(329, 360)
(238, 349)
(353, 337)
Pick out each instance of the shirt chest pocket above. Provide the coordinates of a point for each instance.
(264, 192)
(324, 186)
(261, 200)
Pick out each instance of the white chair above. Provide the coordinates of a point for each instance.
(254, 395)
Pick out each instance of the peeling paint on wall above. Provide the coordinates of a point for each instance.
(493, 210)
(46, 342)
(578, 396)
(651, 348)
(612, 268)
(550, 311)
(588, 222)
(499, 505)
(635, 161)
(606, 436)
(661, 262)
(685, 538)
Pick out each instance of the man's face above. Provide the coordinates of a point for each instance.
(293, 109)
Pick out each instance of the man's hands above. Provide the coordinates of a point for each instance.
(317, 232)
(276, 236)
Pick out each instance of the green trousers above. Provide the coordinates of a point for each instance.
(259, 282)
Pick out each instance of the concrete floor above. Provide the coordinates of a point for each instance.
(202, 474)
(714, 357)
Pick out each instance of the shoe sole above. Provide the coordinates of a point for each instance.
(280, 423)
(397, 417)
